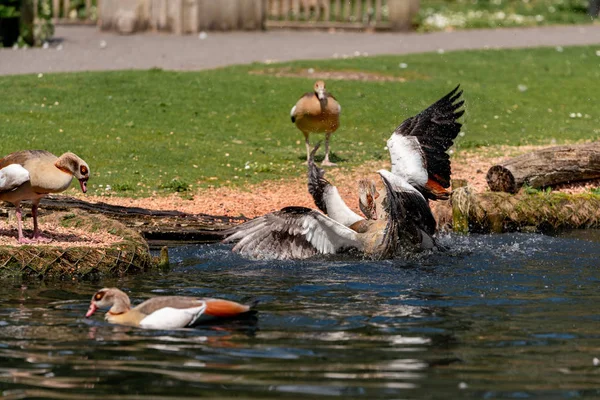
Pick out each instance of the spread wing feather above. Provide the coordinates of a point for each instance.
(291, 233)
(433, 130)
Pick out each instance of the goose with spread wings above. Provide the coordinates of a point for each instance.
(418, 150)
(299, 232)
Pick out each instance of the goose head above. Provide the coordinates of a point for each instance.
(367, 193)
(75, 166)
(112, 298)
(320, 90)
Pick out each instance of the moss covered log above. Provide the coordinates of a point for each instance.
(539, 211)
(59, 259)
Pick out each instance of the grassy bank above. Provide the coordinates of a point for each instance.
(157, 131)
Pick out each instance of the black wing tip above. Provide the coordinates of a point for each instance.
(295, 210)
(293, 119)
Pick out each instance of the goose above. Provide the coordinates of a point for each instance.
(164, 312)
(317, 111)
(418, 151)
(34, 174)
(300, 232)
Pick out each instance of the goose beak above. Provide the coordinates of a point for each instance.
(83, 184)
(91, 310)
(321, 93)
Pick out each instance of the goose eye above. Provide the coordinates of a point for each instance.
(83, 169)
(99, 296)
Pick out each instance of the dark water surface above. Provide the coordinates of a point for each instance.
(504, 316)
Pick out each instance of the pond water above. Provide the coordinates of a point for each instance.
(502, 316)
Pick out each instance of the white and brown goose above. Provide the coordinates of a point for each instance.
(317, 111)
(299, 232)
(33, 174)
(419, 153)
(164, 312)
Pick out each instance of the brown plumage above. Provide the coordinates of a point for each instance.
(47, 174)
(317, 112)
(164, 312)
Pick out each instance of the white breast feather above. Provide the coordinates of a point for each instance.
(293, 111)
(12, 176)
(172, 318)
(407, 160)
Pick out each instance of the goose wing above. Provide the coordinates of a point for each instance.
(173, 318)
(291, 233)
(418, 147)
(326, 196)
(12, 176)
(410, 221)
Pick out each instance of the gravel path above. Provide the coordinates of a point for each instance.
(80, 48)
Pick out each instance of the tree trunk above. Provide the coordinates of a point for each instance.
(594, 8)
(546, 167)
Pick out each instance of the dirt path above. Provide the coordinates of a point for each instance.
(273, 195)
(79, 48)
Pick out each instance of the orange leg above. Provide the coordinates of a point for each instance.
(326, 161)
(307, 146)
(37, 236)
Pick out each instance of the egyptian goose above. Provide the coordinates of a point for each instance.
(299, 232)
(317, 111)
(46, 174)
(165, 312)
(418, 151)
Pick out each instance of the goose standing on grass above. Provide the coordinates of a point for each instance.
(418, 151)
(299, 232)
(35, 174)
(166, 312)
(317, 111)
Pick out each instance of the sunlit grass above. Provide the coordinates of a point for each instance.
(157, 131)
(444, 14)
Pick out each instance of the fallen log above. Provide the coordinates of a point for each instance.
(158, 227)
(544, 212)
(546, 167)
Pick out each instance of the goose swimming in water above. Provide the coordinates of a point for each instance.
(163, 312)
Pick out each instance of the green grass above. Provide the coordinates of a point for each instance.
(155, 131)
(443, 14)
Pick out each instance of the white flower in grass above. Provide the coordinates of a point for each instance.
(522, 88)
(403, 65)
